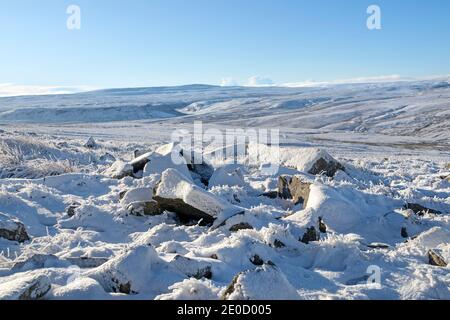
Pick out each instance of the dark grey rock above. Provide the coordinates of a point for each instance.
(420, 210)
(240, 226)
(147, 208)
(310, 235)
(435, 259)
(12, 229)
(329, 168)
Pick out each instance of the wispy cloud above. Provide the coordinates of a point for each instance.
(378, 79)
(228, 82)
(258, 81)
(11, 89)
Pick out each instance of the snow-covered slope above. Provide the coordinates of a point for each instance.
(94, 223)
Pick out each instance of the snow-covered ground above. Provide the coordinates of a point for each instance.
(80, 223)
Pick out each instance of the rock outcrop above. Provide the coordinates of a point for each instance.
(295, 187)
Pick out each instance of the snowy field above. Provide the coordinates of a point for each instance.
(112, 217)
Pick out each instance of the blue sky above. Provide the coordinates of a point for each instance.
(171, 42)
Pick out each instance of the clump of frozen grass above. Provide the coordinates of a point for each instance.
(26, 157)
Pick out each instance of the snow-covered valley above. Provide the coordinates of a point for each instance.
(112, 217)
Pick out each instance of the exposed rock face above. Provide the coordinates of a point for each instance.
(322, 225)
(71, 209)
(138, 164)
(140, 209)
(176, 193)
(12, 229)
(404, 232)
(139, 202)
(328, 167)
(310, 235)
(192, 268)
(31, 287)
(296, 188)
(420, 210)
(256, 260)
(270, 194)
(435, 259)
(203, 170)
(241, 226)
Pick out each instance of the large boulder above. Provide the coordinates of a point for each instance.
(264, 283)
(12, 229)
(176, 193)
(295, 187)
(138, 163)
(139, 202)
(309, 160)
(119, 170)
(36, 261)
(192, 268)
(137, 270)
(25, 287)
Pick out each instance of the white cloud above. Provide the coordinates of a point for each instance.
(228, 82)
(257, 81)
(378, 79)
(11, 89)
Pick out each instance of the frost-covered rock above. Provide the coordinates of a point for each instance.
(143, 194)
(202, 170)
(264, 283)
(295, 187)
(138, 163)
(25, 287)
(81, 288)
(139, 202)
(12, 229)
(192, 289)
(140, 209)
(137, 270)
(308, 160)
(229, 175)
(90, 143)
(36, 261)
(176, 193)
(192, 268)
(119, 170)
(165, 157)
